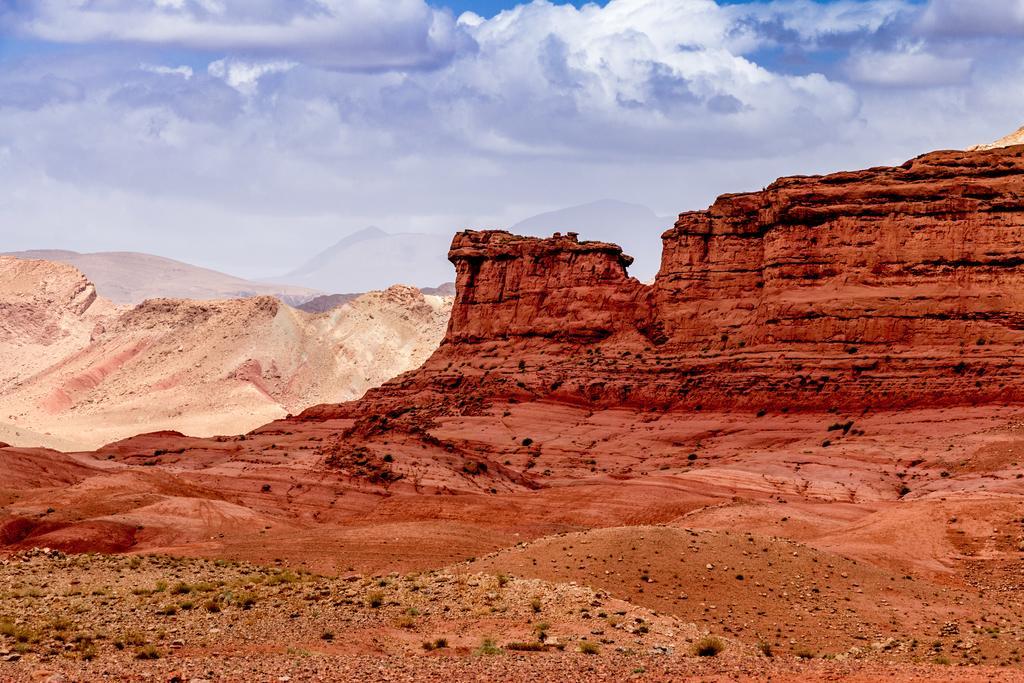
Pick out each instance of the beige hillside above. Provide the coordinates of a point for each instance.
(47, 312)
(1014, 138)
(80, 372)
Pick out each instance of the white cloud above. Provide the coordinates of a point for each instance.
(245, 76)
(183, 71)
(910, 66)
(966, 18)
(806, 23)
(635, 77)
(344, 34)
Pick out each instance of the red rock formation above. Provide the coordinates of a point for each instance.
(884, 287)
(552, 289)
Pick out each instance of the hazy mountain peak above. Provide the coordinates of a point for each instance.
(635, 227)
(372, 259)
(127, 277)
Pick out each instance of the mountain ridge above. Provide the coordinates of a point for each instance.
(127, 277)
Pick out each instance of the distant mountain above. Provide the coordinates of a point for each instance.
(447, 289)
(636, 228)
(326, 302)
(372, 259)
(130, 278)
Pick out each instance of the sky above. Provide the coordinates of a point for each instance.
(247, 135)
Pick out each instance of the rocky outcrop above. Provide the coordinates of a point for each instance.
(553, 289)
(886, 287)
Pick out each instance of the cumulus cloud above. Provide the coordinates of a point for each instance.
(981, 18)
(636, 77)
(909, 67)
(345, 34)
(174, 120)
(810, 25)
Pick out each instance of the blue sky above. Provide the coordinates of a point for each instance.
(189, 128)
(488, 8)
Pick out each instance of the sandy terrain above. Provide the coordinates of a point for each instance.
(79, 372)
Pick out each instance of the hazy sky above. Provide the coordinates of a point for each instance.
(248, 134)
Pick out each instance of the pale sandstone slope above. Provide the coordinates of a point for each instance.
(81, 372)
(47, 311)
(1014, 138)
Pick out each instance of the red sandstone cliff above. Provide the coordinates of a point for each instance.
(553, 289)
(885, 287)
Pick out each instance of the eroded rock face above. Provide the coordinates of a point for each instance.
(552, 289)
(886, 287)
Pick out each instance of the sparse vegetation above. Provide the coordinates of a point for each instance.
(438, 644)
(708, 646)
(147, 652)
(488, 647)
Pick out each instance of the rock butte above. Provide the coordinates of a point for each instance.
(884, 288)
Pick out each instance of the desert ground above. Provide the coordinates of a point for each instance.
(767, 541)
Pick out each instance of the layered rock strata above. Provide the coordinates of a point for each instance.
(887, 287)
